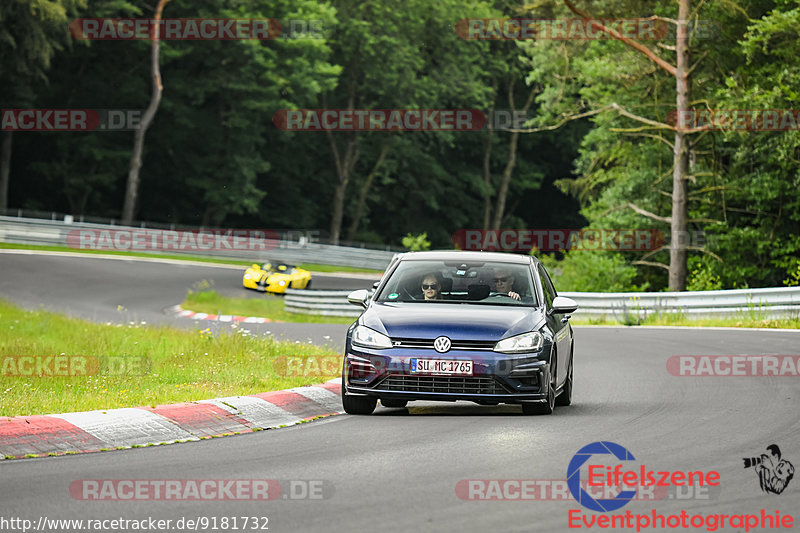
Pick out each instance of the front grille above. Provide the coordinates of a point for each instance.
(427, 344)
(442, 384)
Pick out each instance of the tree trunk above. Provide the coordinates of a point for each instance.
(487, 162)
(487, 178)
(679, 222)
(5, 168)
(344, 168)
(513, 142)
(362, 196)
(132, 188)
(505, 182)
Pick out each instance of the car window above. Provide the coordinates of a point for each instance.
(547, 287)
(459, 282)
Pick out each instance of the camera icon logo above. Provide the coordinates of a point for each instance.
(774, 473)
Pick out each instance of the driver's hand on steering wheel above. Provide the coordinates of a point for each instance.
(514, 295)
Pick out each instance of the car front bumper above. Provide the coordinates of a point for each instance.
(496, 378)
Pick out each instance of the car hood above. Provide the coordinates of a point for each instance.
(457, 321)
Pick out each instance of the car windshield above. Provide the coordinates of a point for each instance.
(480, 283)
(277, 267)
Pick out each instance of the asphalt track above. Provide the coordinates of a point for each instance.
(127, 289)
(398, 470)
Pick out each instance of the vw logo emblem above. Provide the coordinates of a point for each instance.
(441, 344)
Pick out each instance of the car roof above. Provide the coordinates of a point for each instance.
(462, 255)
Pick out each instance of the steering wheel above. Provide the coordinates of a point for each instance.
(407, 294)
(495, 293)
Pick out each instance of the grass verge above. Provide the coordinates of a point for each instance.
(270, 306)
(314, 267)
(140, 365)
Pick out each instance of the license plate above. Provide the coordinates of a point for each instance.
(441, 366)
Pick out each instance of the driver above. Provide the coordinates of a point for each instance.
(432, 287)
(503, 281)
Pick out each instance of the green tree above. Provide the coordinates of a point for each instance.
(395, 59)
(31, 32)
(212, 132)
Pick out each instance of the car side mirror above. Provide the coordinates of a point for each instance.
(375, 285)
(359, 297)
(563, 305)
(255, 266)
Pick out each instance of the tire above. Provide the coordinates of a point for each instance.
(308, 285)
(391, 402)
(565, 398)
(358, 405)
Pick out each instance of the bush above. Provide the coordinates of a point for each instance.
(591, 271)
(416, 243)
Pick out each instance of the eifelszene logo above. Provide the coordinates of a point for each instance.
(774, 473)
(602, 475)
(574, 476)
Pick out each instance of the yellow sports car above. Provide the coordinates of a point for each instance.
(276, 277)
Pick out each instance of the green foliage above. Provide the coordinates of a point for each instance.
(591, 271)
(31, 33)
(416, 243)
(793, 280)
(702, 277)
(213, 156)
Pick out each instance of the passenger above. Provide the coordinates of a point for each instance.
(432, 287)
(504, 282)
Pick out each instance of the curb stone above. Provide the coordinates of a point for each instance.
(134, 427)
(184, 313)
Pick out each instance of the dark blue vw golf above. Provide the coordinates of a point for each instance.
(446, 326)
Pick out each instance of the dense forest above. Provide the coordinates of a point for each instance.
(658, 131)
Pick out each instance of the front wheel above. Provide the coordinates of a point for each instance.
(358, 405)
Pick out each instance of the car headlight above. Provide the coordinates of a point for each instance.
(282, 282)
(369, 338)
(247, 276)
(527, 342)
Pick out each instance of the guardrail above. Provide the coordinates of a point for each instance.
(21, 230)
(624, 307)
(312, 302)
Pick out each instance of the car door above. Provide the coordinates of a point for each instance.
(559, 323)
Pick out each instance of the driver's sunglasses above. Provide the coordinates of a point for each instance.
(501, 280)
(425, 286)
